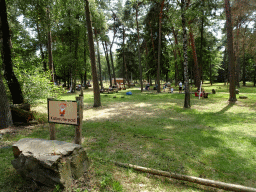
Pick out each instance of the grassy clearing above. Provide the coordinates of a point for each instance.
(213, 140)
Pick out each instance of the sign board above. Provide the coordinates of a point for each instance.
(63, 112)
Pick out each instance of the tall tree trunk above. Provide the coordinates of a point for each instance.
(187, 94)
(210, 68)
(98, 53)
(201, 48)
(126, 75)
(96, 89)
(85, 65)
(236, 56)
(138, 33)
(40, 45)
(254, 79)
(12, 82)
(112, 64)
(196, 69)
(147, 64)
(50, 47)
(159, 47)
(111, 55)
(152, 41)
(68, 80)
(76, 54)
(237, 72)
(105, 47)
(226, 68)
(123, 57)
(176, 67)
(5, 111)
(232, 96)
(244, 83)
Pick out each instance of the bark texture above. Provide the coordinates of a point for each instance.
(9, 75)
(138, 34)
(185, 56)
(105, 47)
(159, 47)
(98, 53)
(96, 89)
(5, 111)
(232, 93)
(51, 68)
(196, 68)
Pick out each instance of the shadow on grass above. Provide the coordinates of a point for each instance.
(168, 138)
(226, 108)
(173, 140)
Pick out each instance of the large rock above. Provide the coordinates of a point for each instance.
(49, 162)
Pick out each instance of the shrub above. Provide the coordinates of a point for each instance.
(36, 86)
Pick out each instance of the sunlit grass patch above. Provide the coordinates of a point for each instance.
(213, 139)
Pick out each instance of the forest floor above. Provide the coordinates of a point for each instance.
(213, 140)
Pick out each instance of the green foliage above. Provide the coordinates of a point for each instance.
(36, 86)
(117, 186)
(57, 188)
(108, 182)
(41, 117)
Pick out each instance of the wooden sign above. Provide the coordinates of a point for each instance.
(63, 112)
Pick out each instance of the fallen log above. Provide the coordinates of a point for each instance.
(207, 182)
(20, 115)
(23, 106)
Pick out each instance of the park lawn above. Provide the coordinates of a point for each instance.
(214, 140)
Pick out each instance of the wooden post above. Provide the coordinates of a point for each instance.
(52, 131)
(51, 125)
(78, 134)
(82, 105)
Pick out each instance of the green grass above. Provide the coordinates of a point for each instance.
(214, 140)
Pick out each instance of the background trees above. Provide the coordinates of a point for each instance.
(59, 28)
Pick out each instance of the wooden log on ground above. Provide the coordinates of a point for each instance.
(20, 115)
(23, 106)
(207, 182)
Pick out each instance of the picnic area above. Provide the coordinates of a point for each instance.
(213, 140)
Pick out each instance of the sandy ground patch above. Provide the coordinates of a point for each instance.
(117, 110)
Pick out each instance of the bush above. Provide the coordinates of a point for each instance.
(36, 86)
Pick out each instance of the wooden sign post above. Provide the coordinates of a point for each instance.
(66, 112)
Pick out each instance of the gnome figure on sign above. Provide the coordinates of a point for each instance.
(62, 109)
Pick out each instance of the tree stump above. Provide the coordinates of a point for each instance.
(213, 91)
